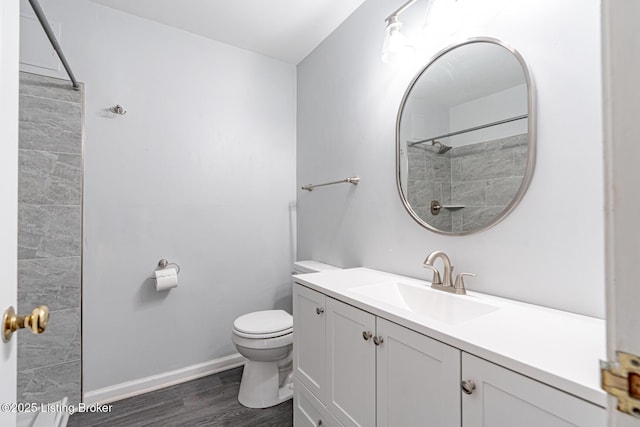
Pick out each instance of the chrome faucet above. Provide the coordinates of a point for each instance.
(446, 283)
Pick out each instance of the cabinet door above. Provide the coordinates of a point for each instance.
(308, 411)
(351, 369)
(503, 398)
(418, 379)
(309, 365)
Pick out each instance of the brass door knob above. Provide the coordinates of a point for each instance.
(36, 321)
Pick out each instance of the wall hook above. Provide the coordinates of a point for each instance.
(118, 109)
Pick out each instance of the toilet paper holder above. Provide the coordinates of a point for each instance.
(163, 263)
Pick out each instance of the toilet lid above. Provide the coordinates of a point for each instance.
(264, 322)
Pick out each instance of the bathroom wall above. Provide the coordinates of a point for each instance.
(49, 237)
(201, 171)
(549, 250)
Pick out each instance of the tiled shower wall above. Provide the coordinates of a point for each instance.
(482, 177)
(49, 237)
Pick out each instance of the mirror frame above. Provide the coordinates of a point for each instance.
(531, 137)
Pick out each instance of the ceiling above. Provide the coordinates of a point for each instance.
(287, 30)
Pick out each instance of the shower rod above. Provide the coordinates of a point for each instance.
(355, 180)
(499, 122)
(54, 42)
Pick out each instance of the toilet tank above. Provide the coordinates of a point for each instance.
(310, 266)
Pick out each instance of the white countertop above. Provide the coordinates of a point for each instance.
(557, 348)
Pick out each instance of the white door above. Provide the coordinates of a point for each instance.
(351, 368)
(418, 379)
(9, 48)
(621, 97)
(503, 398)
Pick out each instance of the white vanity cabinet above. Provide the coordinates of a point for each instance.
(355, 367)
(503, 398)
(375, 371)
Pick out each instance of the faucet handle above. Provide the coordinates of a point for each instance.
(459, 286)
(436, 280)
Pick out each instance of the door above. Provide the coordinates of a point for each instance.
(621, 85)
(9, 48)
(351, 368)
(418, 379)
(502, 398)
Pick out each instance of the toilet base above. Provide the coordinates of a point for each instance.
(260, 386)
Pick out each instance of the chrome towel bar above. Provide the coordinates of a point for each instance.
(355, 180)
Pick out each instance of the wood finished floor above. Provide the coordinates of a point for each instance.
(208, 401)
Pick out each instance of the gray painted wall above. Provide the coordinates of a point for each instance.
(549, 250)
(200, 171)
(49, 254)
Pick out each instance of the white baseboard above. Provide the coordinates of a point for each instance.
(166, 379)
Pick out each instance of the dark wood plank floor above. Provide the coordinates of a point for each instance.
(208, 401)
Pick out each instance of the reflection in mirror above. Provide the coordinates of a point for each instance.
(465, 140)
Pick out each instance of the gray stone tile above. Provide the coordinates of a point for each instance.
(438, 168)
(50, 178)
(520, 158)
(500, 192)
(422, 193)
(476, 217)
(50, 384)
(456, 221)
(60, 343)
(417, 164)
(442, 221)
(446, 193)
(50, 125)
(514, 141)
(423, 213)
(34, 136)
(498, 164)
(54, 282)
(456, 168)
(48, 87)
(418, 194)
(469, 193)
(490, 146)
(52, 231)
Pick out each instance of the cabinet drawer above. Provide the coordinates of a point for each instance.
(308, 411)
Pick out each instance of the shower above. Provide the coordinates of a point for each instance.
(441, 147)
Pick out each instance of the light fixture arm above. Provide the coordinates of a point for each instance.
(394, 15)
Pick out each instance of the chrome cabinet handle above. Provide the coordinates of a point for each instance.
(378, 340)
(366, 335)
(468, 386)
(319, 311)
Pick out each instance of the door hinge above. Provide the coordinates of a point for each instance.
(622, 380)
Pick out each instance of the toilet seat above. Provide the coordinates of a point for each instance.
(263, 336)
(263, 324)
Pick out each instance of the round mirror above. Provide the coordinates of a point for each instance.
(465, 137)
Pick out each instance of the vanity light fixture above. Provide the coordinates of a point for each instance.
(395, 43)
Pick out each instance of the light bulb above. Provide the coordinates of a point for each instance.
(395, 43)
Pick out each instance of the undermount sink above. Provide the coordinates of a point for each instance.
(423, 300)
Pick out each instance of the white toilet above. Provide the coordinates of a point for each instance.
(265, 338)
